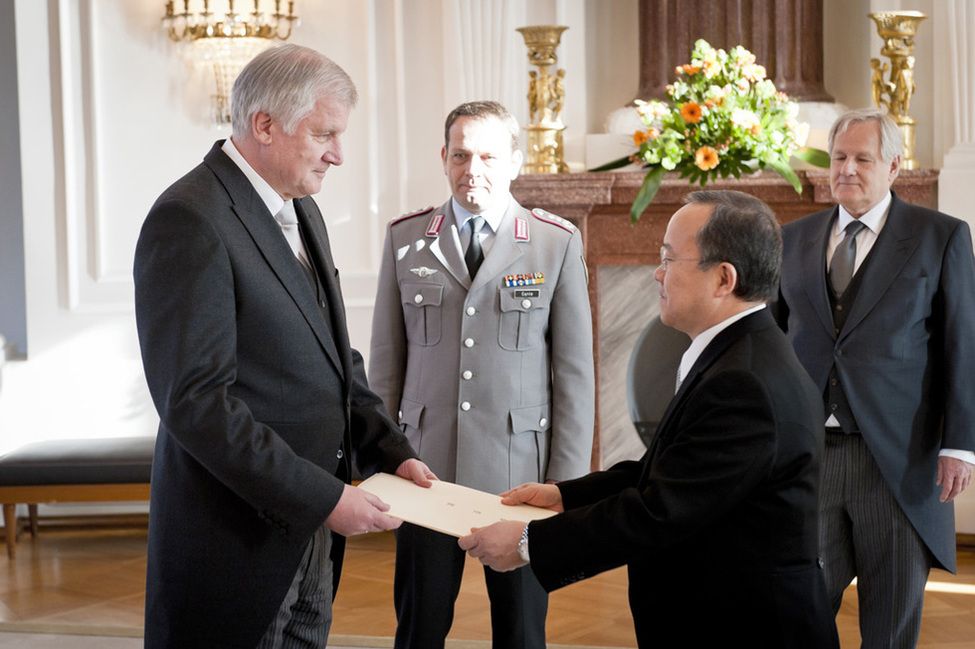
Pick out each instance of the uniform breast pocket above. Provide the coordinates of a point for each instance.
(524, 317)
(422, 312)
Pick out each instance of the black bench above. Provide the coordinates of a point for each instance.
(72, 470)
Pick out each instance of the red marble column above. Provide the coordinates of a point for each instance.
(786, 37)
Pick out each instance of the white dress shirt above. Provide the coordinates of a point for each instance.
(270, 197)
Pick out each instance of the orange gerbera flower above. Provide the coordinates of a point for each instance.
(639, 137)
(706, 158)
(691, 112)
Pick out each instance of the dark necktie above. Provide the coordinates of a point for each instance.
(474, 255)
(844, 259)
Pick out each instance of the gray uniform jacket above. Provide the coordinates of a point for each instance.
(493, 380)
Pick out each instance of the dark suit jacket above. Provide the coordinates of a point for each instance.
(906, 354)
(718, 521)
(261, 406)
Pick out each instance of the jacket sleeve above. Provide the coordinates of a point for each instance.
(956, 297)
(379, 443)
(573, 374)
(718, 450)
(387, 355)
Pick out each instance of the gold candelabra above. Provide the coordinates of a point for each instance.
(546, 96)
(897, 29)
(226, 42)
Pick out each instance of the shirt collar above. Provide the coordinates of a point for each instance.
(492, 217)
(704, 339)
(874, 219)
(270, 197)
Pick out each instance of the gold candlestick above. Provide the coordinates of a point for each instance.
(898, 29)
(546, 96)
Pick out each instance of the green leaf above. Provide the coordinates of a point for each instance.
(786, 172)
(651, 183)
(615, 164)
(815, 157)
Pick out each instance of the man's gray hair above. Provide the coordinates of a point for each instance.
(285, 82)
(891, 138)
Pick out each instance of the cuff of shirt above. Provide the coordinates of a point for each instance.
(967, 456)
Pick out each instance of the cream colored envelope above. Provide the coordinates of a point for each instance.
(446, 507)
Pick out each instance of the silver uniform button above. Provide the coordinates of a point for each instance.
(542, 422)
(469, 342)
(465, 406)
(526, 304)
(418, 298)
(471, 310)
(339, 454)
(467, 375)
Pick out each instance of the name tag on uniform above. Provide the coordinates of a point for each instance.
(534, 293)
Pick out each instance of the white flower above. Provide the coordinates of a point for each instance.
(746, 119)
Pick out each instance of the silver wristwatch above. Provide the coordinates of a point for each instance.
(523, 546)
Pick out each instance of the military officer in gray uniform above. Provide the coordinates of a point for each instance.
(482, 343)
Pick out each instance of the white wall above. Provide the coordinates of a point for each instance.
(111, 114)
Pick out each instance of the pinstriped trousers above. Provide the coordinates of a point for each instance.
(865, 534)
(305, 616)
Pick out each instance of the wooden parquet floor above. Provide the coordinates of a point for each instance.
(96, 577)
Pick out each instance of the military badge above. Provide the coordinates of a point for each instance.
(524, 279)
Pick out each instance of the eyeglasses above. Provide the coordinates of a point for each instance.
(665, 261)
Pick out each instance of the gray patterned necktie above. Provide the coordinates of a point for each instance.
(844, 259)
(287, 218)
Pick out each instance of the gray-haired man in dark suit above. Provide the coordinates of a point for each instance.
(878, 299)
(263, 405)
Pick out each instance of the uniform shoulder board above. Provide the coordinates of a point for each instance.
(548, 217)
(410, 215)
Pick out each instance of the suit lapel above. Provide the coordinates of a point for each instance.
(753, 322)
(887, 258)
(813, 259)
(446, 247)
(505, 250)
(267, 236)
(336, 341)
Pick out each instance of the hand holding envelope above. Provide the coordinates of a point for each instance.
(359, 512)
(496, 546)
(446, 507)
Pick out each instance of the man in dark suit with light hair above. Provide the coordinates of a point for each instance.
(878, 299)
(263, 405)
(717, 523)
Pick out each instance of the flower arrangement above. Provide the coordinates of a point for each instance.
(724, 118)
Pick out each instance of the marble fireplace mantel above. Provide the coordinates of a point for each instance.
(621, 258)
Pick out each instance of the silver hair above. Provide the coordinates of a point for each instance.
(891, 138)
(285, 82)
